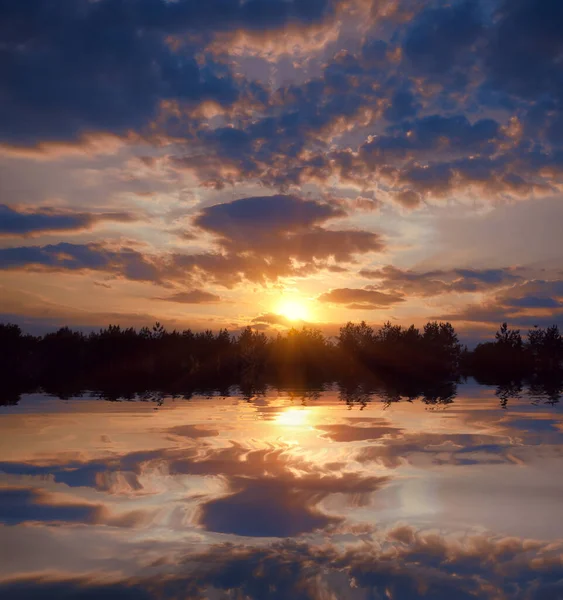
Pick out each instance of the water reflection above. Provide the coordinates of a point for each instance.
(351, 491)
(358, 391)
(294, 417)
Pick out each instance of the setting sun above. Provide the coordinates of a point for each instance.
(293, 310)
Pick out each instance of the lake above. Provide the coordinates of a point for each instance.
(306, 495)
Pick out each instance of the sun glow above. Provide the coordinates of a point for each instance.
(293, 417)
(293, 310)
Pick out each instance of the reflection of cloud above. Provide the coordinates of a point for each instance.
(377, 429)
(21, 505)
(193, 431)
(266, 496)
(439, 449)
(269, 508)
(269, 492)
(402, 562)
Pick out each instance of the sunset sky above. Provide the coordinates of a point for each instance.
(220, 163)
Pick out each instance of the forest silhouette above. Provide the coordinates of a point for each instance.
(405, 362)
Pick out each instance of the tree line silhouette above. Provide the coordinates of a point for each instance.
(404, 359)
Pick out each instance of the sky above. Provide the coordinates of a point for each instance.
(277, 162)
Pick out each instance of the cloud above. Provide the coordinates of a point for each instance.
(193, 297)
(125, 262)
(14, 222)
(119, 85)
(432, 134)
(263, 216)
(522, 56)
(355, 116)
(492, 314)
(539, 289)
(263, 238)
(529, 303)
(435, 283)
(274, 319)
(357, 120)
(361, 299)
(533, 302)
(440, 39)
(260, 239)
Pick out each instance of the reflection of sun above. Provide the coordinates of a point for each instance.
(293, 310)
(293, 417)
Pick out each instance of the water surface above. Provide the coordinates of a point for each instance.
(306, 495)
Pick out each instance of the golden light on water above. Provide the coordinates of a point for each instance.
(293, 417)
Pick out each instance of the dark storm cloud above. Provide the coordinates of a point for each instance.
(14, 222)
(435, 283)
(75, 65)
(361, 299)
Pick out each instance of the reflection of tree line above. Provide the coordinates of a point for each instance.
(392, 363)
